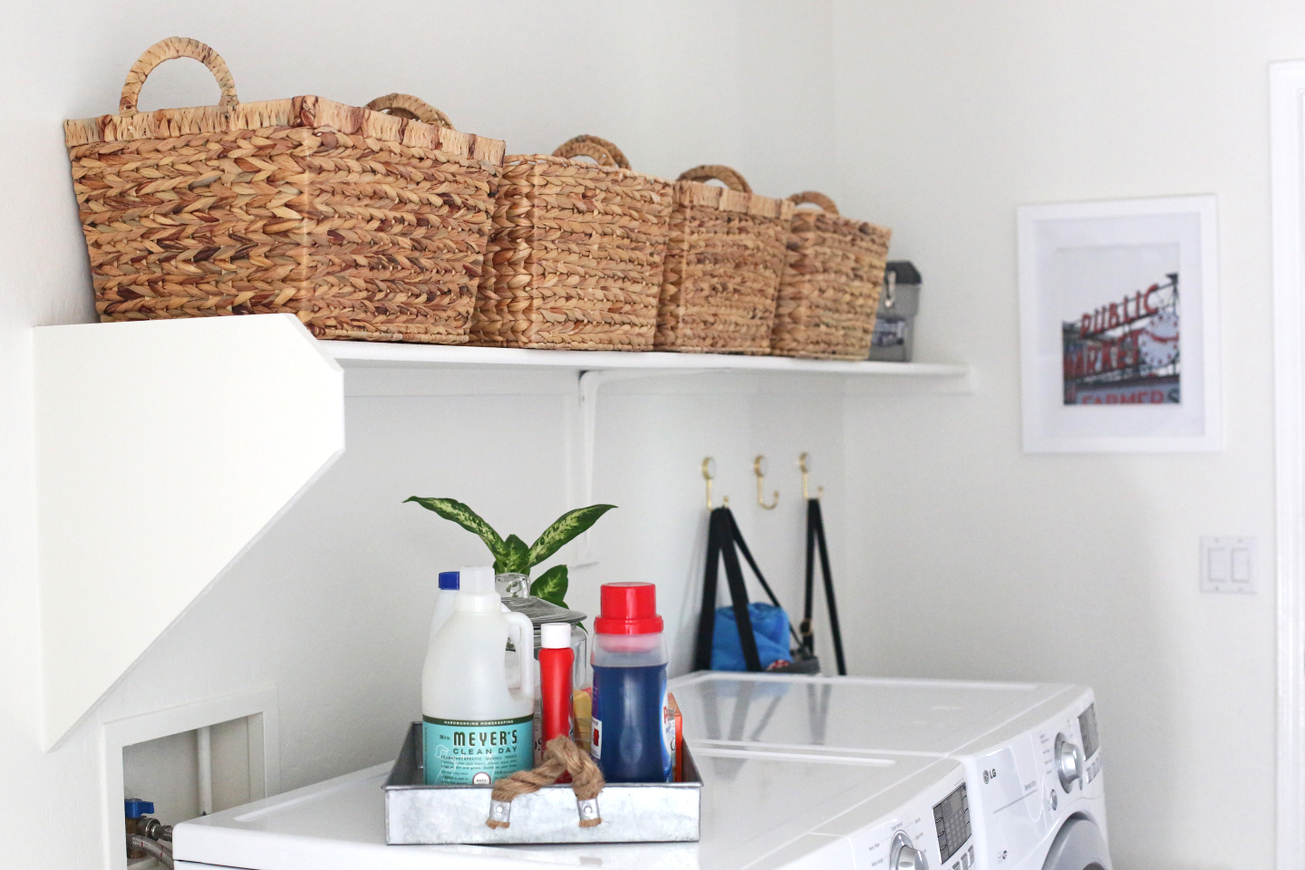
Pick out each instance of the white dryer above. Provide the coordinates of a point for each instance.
(1034, 787)
(1038, 790)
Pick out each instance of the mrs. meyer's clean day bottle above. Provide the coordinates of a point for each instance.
(629, 742)
(475, 728)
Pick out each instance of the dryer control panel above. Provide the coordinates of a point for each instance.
(951, 820)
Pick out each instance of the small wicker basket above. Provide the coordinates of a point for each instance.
(830, 290)
(363, 224)
(723, 265)
(575, 259)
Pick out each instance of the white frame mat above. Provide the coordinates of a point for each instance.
(1059, 245)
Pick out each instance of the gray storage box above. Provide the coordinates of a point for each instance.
(894, 335)
(416, 813)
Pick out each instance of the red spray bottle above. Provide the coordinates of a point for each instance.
(556, 660)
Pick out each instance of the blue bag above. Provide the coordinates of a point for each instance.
(746, 636)
(769, 626)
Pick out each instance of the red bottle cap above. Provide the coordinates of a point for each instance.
(628, 608)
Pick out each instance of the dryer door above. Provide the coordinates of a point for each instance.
(1078, 846)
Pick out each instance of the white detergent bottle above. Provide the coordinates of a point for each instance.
(477, 729)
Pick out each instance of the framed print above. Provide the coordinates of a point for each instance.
(1119, 326)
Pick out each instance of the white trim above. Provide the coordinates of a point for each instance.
(1287, 133)
(264, 750)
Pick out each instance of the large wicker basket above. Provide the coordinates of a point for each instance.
(830, 290)
(575, 259)
(723, 265)
(363, 224)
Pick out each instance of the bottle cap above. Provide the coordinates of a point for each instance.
(555, 635)
(137, 808)
(449, 579)
(628, 608)
(476, 591)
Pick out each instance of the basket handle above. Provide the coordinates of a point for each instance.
(815, 198)
(169, 49)
(410, 107)
(732, 179)
(600, 150)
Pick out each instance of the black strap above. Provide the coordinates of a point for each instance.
(752, 563)
(707, 622)
(808, 638)
(739, 596)
(721, 538)
(816, 541)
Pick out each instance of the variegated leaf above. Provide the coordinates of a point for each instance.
(551, 586)
(564, 529)
(515, 558)
(464, 516)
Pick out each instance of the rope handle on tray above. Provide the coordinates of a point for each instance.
(169, 49)
(815, 198)
(600, 150)
(410, 107)
(707, 172)
(561, 755)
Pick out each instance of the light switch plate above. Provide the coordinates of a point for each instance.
(1228, 564)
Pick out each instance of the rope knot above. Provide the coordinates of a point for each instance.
(560, 756)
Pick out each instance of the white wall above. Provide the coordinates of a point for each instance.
(330, 606)
(948, 115)
(1079, 568)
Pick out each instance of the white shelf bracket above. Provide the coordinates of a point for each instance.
(587, 393)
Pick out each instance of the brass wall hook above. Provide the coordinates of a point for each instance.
(708, 473)
(759, 469)
(802, 464)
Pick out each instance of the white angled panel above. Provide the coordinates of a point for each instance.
(164, 450)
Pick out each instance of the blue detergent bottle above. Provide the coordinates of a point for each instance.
(630, 741)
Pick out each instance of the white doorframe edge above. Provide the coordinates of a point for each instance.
(1287, 175)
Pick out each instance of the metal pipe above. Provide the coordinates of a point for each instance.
(153, 828)
(204, 751)
(156, 850)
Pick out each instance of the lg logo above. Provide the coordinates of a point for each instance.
(989, 775)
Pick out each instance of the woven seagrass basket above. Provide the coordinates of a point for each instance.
(830, 290)
(363, 224)
(575, 259)
(724, 259)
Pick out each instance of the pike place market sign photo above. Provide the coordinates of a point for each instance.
(1119, 341)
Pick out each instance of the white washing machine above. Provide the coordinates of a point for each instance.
(762, 808)
(1031, 752)
(798, 772)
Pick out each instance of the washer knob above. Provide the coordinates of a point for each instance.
(1069, 762)
(905, 856)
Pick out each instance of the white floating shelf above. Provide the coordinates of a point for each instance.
(386, 355)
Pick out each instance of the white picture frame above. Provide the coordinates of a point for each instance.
(1119, 326)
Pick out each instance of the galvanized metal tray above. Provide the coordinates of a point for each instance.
(420, 814)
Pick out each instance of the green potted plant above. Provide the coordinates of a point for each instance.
(511, 554)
